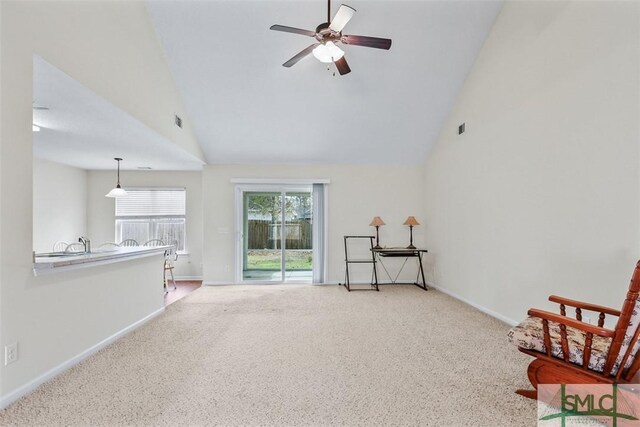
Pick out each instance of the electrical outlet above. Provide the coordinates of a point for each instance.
(10, 353)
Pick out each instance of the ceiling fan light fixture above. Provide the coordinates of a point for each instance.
(326, 35)
(328, 52)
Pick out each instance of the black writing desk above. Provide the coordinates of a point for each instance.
(405, 253)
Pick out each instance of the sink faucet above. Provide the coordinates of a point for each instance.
(86, 242)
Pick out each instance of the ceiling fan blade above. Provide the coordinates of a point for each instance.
(293, 30)
(367, 41)
(342, 66)
(344, 15)
(300, 55)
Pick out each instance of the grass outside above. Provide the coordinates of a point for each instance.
(266, 259)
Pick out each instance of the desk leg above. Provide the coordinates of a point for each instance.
(375, 273)
(424, 282)
(346, 278)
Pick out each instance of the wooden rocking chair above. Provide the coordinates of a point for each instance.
(569, 351)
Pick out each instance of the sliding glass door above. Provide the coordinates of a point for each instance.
(298, 242)
(262, 243)
(277, 235)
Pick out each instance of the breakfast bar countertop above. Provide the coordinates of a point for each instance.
(50, 263)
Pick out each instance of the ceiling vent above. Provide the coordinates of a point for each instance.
(39, 107)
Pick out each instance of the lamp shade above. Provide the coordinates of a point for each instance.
(116, 192)
(411, 221)
(377, 222)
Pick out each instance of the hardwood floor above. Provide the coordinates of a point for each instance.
(183, 288)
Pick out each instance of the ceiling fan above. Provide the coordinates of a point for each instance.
(327, 35)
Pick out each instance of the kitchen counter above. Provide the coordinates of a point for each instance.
(44, 264)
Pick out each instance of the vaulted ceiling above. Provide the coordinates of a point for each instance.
(246, 108)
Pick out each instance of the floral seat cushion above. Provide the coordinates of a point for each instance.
(530, 335)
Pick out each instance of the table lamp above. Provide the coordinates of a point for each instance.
(377, 222)
(411, 221)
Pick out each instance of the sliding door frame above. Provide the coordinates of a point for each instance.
(282, 189)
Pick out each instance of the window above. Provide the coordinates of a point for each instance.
(152, 213)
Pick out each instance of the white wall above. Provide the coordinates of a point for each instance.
(111, 48)
(540, 196)
(357, 193)
(101, 210)
(59, 204)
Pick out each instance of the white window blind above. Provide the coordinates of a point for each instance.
(152, 202)
(152, 214)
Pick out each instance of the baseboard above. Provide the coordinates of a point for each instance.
(219, 283)
(21, 391)
(485, 310)
(188, 277)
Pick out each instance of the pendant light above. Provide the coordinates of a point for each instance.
(117, 191)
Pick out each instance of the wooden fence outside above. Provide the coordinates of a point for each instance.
(265, 235)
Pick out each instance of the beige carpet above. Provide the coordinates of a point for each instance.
(296, 355)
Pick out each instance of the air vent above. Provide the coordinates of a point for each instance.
(178, 121)
(39, 107)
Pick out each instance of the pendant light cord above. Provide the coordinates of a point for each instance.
(118, 160)
(329, 11)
